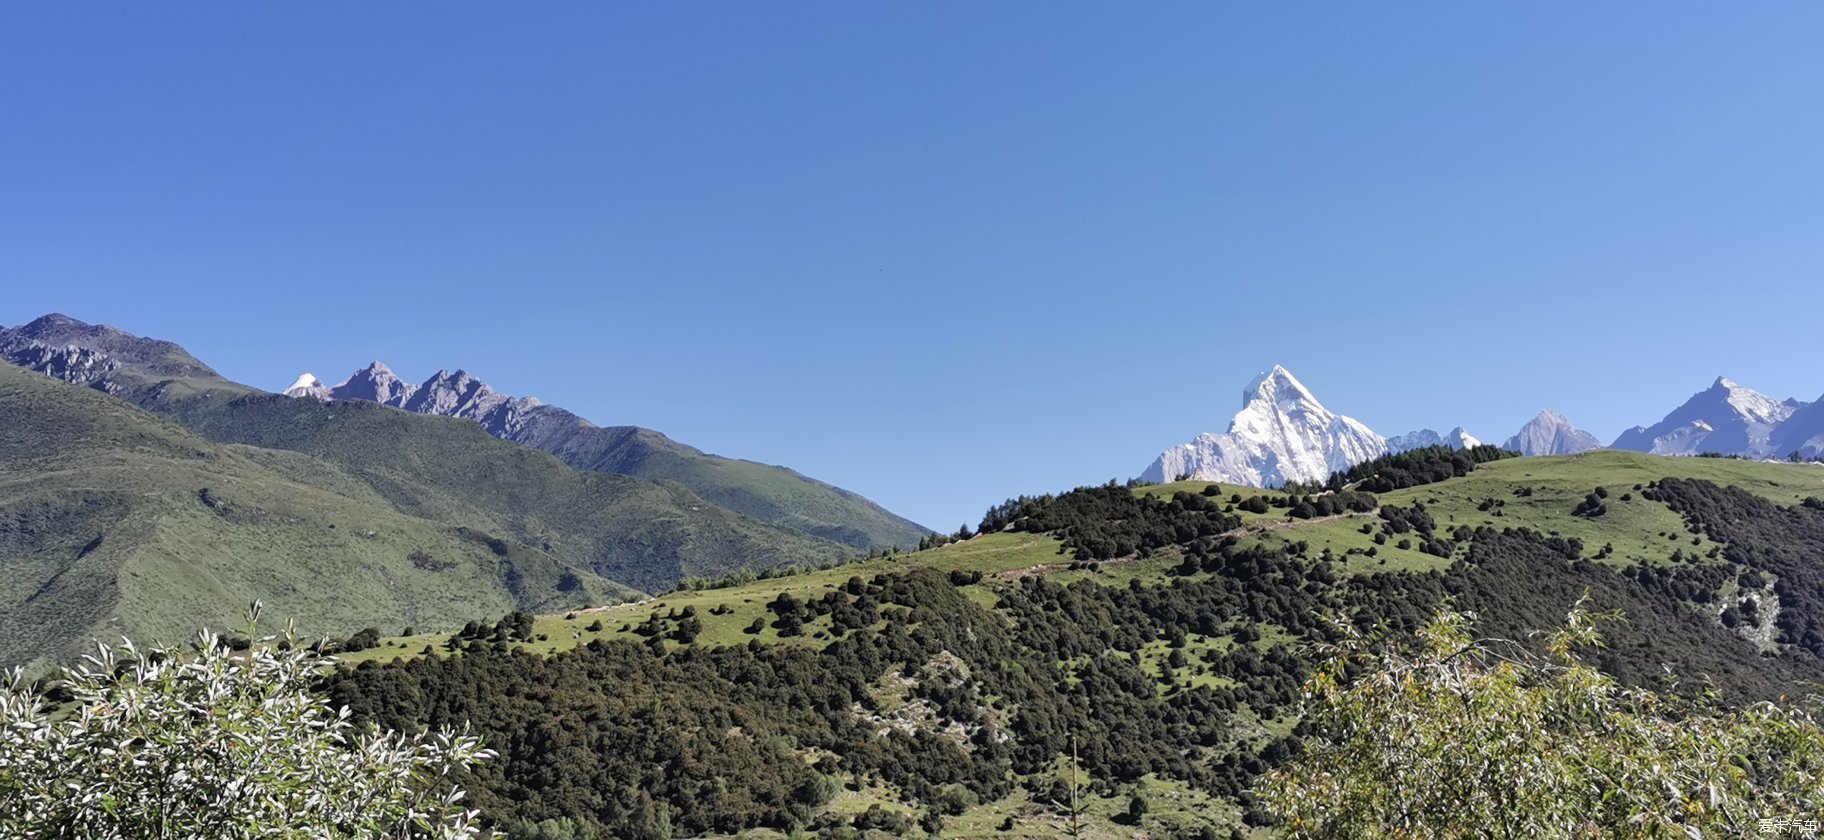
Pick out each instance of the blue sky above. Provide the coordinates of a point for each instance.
(938, 253)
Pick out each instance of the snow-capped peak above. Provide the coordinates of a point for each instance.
(1752, 404)
(1282, 433)
(308, 385)
(1277, 386)
(1456, 438)
(1726, 417)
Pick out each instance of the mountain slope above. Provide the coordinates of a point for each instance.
(772, 494)
(1281, 434)
(1725, 418)
(1801, 432)
(643, 533)
(1157, 636)
(115, 521)
(1551, 434)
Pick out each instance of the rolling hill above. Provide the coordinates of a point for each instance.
(1161, 632)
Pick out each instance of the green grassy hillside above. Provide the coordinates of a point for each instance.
(1173, 662)
(114, 521)
(1541, 494)
(766, 492)
(645, 534)
(1638, 529)
(163, 377)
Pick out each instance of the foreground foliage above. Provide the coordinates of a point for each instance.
(215, 743)
(1467, 738)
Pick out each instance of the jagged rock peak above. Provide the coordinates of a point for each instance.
(1282, 433)
(376, 383)
(1456, 438)
(1551, 434)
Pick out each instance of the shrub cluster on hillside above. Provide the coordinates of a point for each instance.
(1426, 465)
(924, 691)
(1110, 521)
(1784, 544)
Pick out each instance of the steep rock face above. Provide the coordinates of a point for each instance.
(1725, 418)
(1551, 434)
(1281, 434)
(1456, 438)
(75, 365)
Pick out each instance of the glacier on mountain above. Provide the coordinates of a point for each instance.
(1281, 434)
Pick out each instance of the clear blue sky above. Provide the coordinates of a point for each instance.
(939, 253)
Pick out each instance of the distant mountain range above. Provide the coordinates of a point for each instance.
(1283, 433)
(1456, 438)
(1725, 418)
(151, 371)
(145, 492)
(768, 493)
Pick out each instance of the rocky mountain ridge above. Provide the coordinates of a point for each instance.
(766, 492)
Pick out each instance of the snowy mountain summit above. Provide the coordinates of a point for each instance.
(1281, 434)
(1456, 438)
(308, 385)
(1726, 418)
